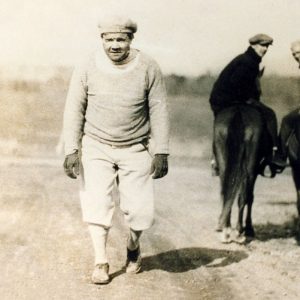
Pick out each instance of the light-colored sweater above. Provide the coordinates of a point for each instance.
(117, 104)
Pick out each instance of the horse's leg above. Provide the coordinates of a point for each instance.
(252, 137)
(295, 166)
(296, 176)
(225, 215)
(224, 223)
(249, 230)
(227, 149)
(225, 220)
(298, 200)
(243, 195)
(237, 234)
(241, 207)
(245, 198)
(220, 137)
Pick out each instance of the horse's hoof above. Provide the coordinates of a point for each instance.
(237, 237)
(226, 236)
(218, 228)
(225, 239)
(249, 233)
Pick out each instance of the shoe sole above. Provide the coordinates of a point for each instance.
(101, 282)
(133, 272)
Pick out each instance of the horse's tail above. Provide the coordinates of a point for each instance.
(236, 165)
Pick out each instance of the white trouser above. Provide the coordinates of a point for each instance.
(135, 183)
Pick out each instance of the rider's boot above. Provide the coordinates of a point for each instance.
(276, 161)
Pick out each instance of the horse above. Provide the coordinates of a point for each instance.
(290, 143)
(239, 145)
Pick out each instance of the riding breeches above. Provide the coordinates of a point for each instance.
(270, 120)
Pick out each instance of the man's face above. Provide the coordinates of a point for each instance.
(296, 52)
(116, 45)
(260, 50)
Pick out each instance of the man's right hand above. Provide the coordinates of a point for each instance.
(71, 165)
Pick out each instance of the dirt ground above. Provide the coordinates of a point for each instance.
(46, 253)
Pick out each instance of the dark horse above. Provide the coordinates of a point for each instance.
(290, 140)
(239, 143)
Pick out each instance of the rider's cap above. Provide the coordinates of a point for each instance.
(262, 39)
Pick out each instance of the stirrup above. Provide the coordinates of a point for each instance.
(268, 172)
(265, 165)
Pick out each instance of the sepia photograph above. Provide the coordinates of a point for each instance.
(150, 149)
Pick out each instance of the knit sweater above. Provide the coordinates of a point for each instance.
(119, 105)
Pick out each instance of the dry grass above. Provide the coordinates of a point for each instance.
(32, 112)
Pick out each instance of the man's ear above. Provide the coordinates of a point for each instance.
(131, 36)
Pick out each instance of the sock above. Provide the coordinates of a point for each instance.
(99, 237)
(133, 240)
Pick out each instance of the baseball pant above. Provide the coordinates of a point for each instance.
(102, 164)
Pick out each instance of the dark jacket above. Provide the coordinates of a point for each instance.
(237, 82)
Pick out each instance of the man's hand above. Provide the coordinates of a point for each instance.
(71, 165)
(159, 166)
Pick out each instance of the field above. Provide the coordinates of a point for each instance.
(45, 250)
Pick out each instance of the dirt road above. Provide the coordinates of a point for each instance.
(46, 253)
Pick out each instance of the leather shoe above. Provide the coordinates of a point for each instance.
(100, 274)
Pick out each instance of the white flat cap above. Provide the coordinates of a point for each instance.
(117, 24)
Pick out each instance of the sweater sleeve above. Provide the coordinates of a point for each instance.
(74, 113)
(158, 110)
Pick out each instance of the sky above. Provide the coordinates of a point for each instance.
(187, 37)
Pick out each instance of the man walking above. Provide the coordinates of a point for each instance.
(239, 83)
(115, 104)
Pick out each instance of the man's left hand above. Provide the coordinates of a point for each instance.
(159, 166)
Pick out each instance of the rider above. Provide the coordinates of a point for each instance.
(239, 83)
(289, 121)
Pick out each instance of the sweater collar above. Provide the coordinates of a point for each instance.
(105, 64)
(251, 52)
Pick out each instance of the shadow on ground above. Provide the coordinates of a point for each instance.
(186, 259)
(281, 203)
(269, 231)
(182, 260)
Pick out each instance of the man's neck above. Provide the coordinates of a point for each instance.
(253, 54)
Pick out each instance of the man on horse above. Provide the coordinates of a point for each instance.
(290, 121)
(238, 83)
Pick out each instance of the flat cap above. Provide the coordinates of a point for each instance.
(117, 24)
(261, 38)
